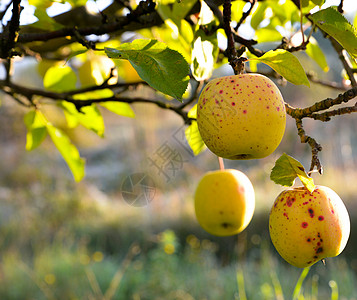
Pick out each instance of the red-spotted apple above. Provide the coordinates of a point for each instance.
(307, 227)
(241, 116)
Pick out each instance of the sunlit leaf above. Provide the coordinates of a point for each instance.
(192, 113)
(162, 68)
(38, 125)
(313, 50)
(335, 24)
(203, 56)
(89, 116)
(36, 130)
(192, 134)
(68, 151)
(318, 2)
(259, 15)
(119, 108)
(176, 11)
(286, 64)
(264, 35)
(286, 170)
(194, 138)
(205, 47)
(237, 10)
(45, 21)
(41, 3)
(60, 79)
(104, 93)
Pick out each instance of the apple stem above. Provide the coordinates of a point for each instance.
(221, 163)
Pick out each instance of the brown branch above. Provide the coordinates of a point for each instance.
(311, 112)
(2, 14)
(231, 50)
(315, 147)
(9, 37)
(246, 14)
(299, 113)
(29, 93)
(143, 16)
(326, 116)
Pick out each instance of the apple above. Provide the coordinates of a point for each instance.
(224, 202)
(241, 116)
(307, 227)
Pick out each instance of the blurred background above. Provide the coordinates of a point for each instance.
(91, 240)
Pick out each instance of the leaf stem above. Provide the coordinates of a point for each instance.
(221, 163)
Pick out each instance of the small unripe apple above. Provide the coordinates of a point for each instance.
(224, 202)
(241, 116)
(307, 227)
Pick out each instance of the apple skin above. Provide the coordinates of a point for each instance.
(307, 227)
(224, 202)
(241, 116)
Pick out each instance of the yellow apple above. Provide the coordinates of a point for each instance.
(224, 202)
(241, 116)
(307, 227)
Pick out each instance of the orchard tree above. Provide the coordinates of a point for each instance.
(91, 58)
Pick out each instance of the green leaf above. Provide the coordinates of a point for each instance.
(89, 116)
(286, 170)
(264, 35)
(162, 68)
(192, 113)
(176, 11)
(313, 50)
(237, 10)
(41, 3)
(194, 138)
(286, 64)
(104, 93)
(36, 120)
(304, 3)
(36, 130)
(60, 79)
(259, 15)
(204, 53)
(119, 108)
(45, 22)
(335, 24)
(68, 151)
(318, 2)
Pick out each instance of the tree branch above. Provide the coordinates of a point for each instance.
(315, 147)
(245, 14)
(29, 93)
(9, 37)
(300, 113)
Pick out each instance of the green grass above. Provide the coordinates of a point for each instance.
(169, 270)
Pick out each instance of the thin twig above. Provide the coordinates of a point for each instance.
(315, 147)
(245, 14)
